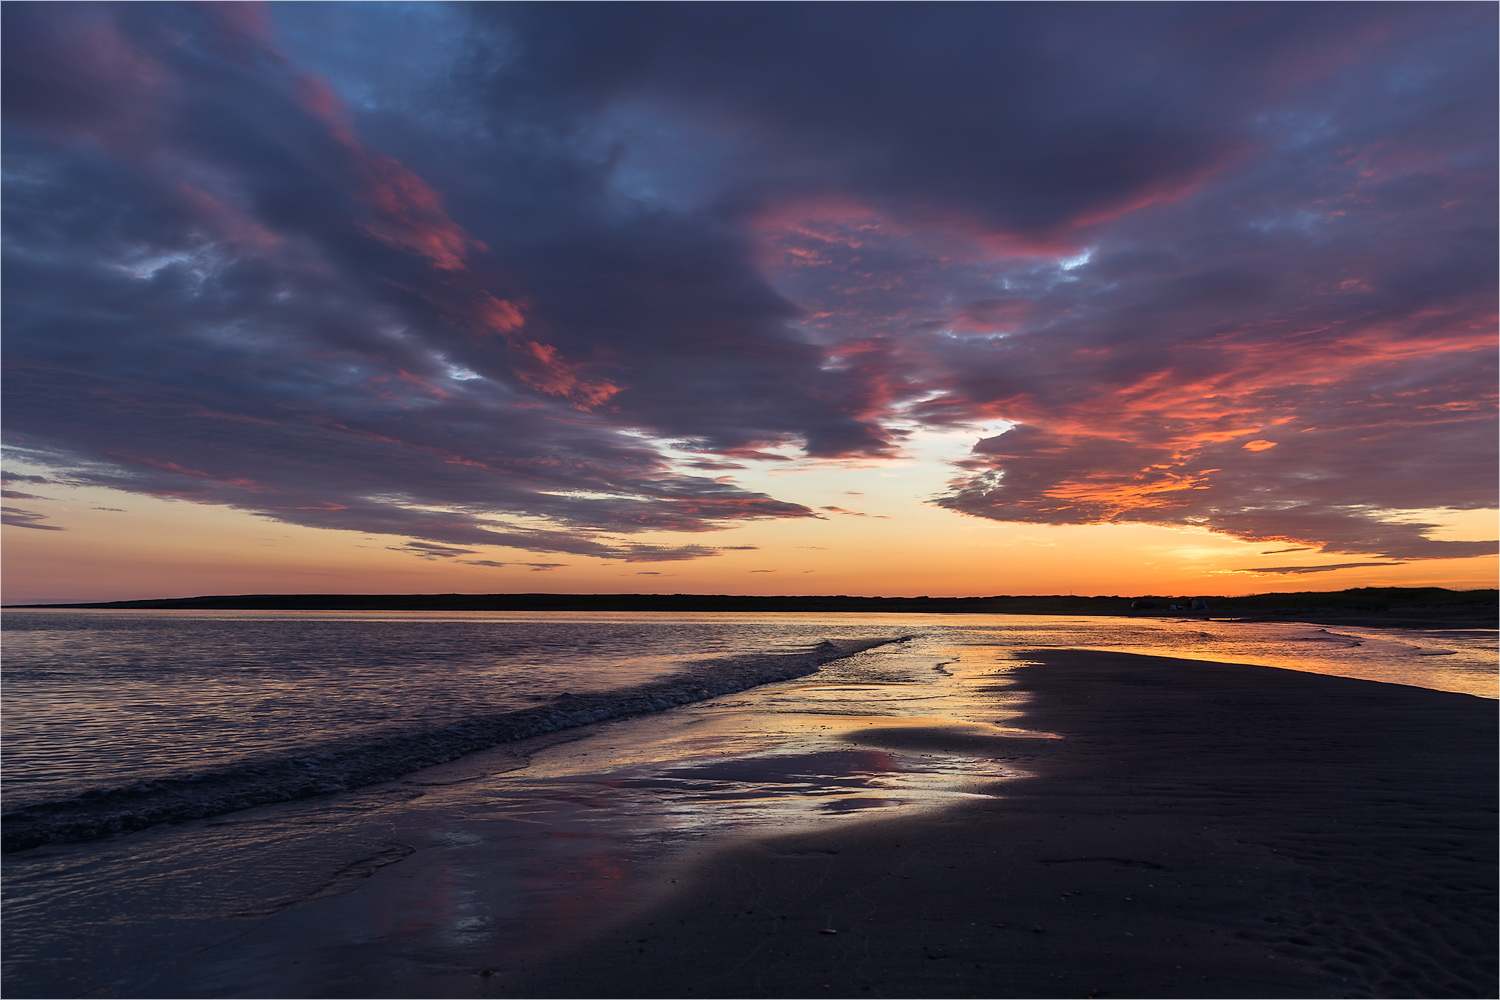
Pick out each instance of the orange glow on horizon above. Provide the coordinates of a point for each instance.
(150, 548)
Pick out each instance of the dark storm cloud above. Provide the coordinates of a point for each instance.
(457, 274)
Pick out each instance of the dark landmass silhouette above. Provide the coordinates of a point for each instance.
(1435, 607)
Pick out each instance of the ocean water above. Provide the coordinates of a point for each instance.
(491, 783)
(95, 699)
(101, 707)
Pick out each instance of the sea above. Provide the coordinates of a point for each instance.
(192, 800)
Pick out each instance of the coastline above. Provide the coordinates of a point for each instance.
(1059, 823)
(1440, 620)
(1201, 830)
(1421, 607)
(339, 766)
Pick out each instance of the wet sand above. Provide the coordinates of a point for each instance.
(1200, 830)
(1148, 827)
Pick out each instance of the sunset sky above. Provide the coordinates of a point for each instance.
(853, 298)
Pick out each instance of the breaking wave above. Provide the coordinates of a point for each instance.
(339, 766)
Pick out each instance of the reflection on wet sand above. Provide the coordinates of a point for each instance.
(495, 861)
(595, 826)
(500, 865)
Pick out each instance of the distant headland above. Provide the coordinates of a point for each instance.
(1422, 607)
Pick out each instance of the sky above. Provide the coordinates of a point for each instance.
(881, 299)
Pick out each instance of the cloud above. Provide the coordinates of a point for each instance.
(326, 408)
(428, 550)
(1304, 570)
(535, 567)
(851, 513)
(527, 276)
(20, 518)
(713, 465)
(18, 495)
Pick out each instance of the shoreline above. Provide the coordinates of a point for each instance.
(1443, 622)
(1067, 822)
(340, 766)
(1201, 830)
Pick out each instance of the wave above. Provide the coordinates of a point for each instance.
(333, 768)
(1323, 635)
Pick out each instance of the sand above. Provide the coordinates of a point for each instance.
(1188, 829)
(1200, 830)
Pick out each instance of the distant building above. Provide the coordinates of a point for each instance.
(1198, 604)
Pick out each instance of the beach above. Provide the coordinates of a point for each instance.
(942, 816)
(1200, 830)
(749, 500)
